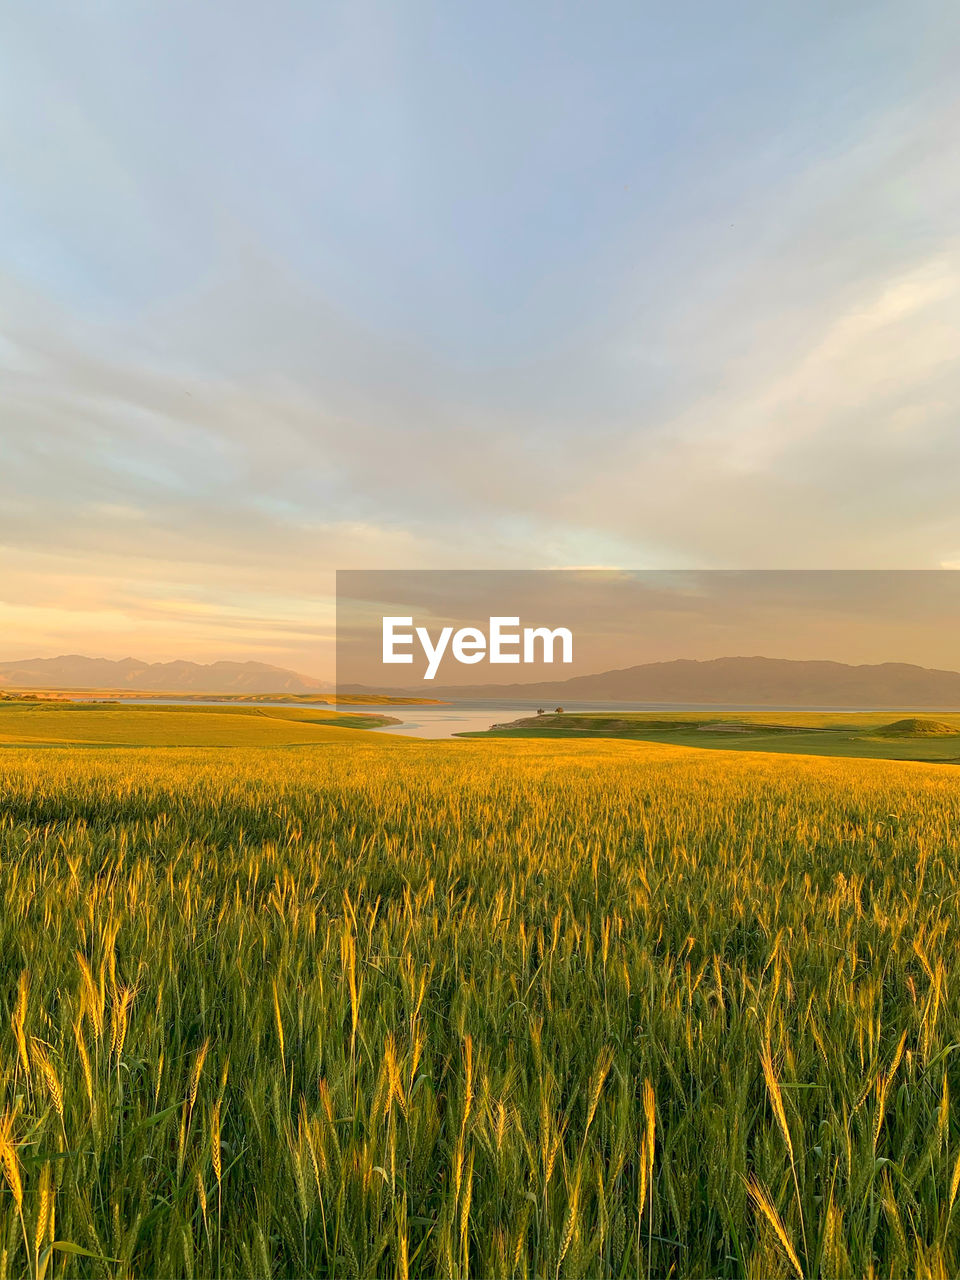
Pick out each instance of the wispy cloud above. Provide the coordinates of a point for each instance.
(342, 286)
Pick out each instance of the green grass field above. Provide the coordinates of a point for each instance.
(386, 1007)
(873, 735)
(225, 699)
(117, 724)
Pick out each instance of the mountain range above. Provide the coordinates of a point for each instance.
(745, 681)
(73, 671)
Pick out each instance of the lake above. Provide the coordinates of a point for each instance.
(470, 717)
(451, 718)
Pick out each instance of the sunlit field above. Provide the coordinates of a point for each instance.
(117, 724)
(367, 1006)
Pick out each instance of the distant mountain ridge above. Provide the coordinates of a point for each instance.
(74, 671)
(744, 681)
(738, 681)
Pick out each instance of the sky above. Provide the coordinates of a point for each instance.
(287, 288)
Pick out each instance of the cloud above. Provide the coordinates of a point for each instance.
(651, 290)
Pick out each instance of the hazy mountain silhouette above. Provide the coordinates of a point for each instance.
(746, 681)
(73, 671)
(752, 681)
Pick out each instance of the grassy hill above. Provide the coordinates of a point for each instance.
(116, 724)
(918, 727)
(867, 734)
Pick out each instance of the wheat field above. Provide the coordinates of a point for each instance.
(477, 1009)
